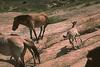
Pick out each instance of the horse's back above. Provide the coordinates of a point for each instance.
(74, 31)
(16, 40)
(39, 20)
(36, 19)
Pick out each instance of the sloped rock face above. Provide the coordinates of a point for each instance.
(69, 59)
(63, 47)
(55, 50)
(58, 55)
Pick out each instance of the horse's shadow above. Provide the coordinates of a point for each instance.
(9, 61)
(64, 50)
(93, 58)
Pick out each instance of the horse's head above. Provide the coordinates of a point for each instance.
(15, 24)
(73, 23)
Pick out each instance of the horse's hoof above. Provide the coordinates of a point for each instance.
(77, 47)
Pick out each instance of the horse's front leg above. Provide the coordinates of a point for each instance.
(31, 33)
(35, 35)
(39, 37)
(71, 40)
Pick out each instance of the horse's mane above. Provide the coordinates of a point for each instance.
(22, 17)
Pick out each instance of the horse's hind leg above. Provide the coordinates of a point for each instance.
(32, 55)
(81, 40)
(35, 35)
(36, 53)
(11, 57)
(75, 39)
(71, 42)
(32, 48)
(43, 31)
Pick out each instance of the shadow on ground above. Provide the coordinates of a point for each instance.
(63, 51)
(93, 58)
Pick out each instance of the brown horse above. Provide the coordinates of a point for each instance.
(32, 22)
(16, 46)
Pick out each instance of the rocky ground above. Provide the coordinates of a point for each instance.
(55, 50)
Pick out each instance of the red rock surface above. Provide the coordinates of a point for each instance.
(53, 41)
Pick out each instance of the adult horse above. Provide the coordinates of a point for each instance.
(16, 46)
(32, 22)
